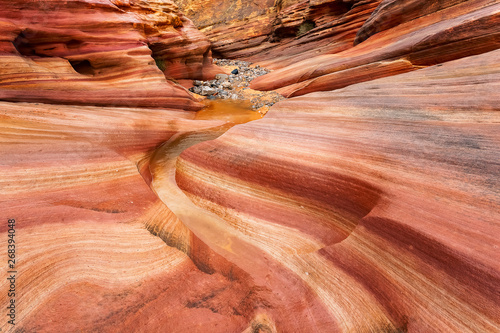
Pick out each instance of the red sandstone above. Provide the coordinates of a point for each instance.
(369, 203)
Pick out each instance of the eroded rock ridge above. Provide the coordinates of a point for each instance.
(369, 201)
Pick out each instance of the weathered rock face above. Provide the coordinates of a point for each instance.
(382, 197)
(206, 13)
(279, 33)
(370, 208)
(424, 39)
(75, 179)
(100, 53)
(392, 13)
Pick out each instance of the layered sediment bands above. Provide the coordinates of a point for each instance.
(313, 28)
(100, 53)
(391, 13)
(371, 208)
(76, 180)
(383, 197)
(425, 39)
(279, 33)
(87, 258)
(275, 288)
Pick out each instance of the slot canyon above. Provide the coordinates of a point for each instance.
(266, 166)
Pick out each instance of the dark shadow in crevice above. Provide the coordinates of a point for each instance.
(23, 46)
(83, 67)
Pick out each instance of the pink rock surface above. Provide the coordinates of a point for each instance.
(392, 13)
(373, 207)
(382, 196)
(86, 220)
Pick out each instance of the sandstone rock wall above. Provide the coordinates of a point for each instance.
(383, 197)
(456, 31)
(100, 53)
(370, 207)
(391, 13)
(206, 13)
(96, 248)
(282, 33)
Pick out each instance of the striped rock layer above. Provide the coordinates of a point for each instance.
(382, 197)
(96, 249)
(370, 208)
(100, 53)
(279, 33)
(400, 36)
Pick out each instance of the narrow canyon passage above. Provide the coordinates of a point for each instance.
(360, 229)
(83, 252)
(256, 167)
(84, 244)
(270, 256)
(241, 260)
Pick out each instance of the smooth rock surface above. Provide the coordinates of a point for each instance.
(100, 53)
(382, 197)
(374, 207)
(465, 29)
(97, 251)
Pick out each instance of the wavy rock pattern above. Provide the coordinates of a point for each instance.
(466, 29)
(100, 53)
(372, 208)
(392, 13)
(74, 179)
(382, 197)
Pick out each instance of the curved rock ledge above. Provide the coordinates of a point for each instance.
(87, 259)
(466, 29)
(279, 33)
(382, 197)
(109, 53)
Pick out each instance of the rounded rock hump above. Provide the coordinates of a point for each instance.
(113, 53)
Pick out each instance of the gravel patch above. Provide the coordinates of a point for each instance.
(234, 86)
